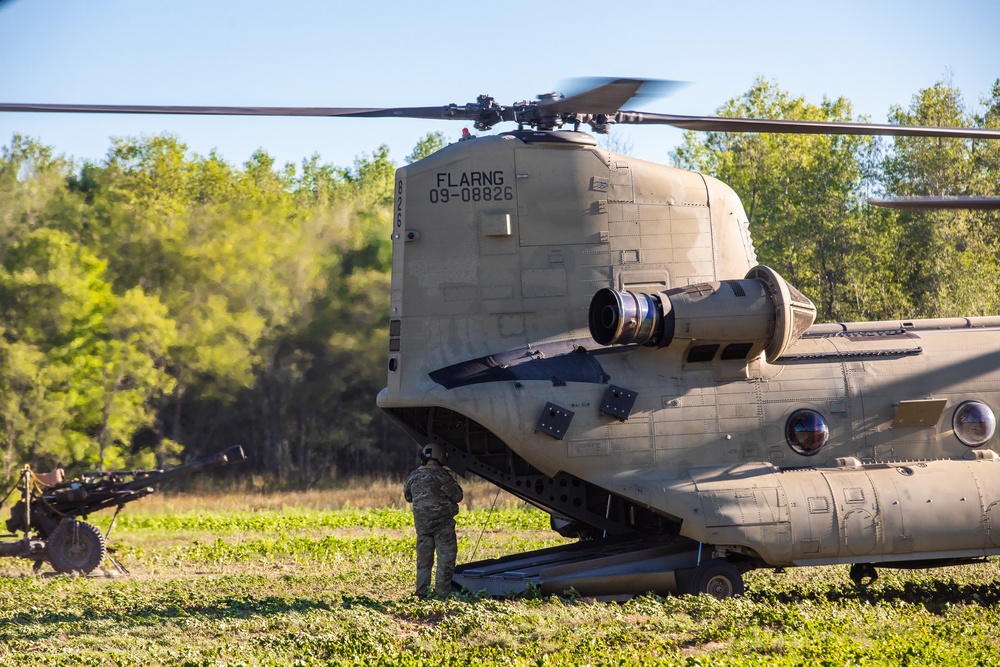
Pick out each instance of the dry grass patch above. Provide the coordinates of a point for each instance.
(353, 494)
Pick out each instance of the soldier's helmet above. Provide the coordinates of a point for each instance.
(432, 451)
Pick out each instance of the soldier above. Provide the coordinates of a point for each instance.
(435, 496)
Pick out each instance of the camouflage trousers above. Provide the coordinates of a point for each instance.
(440, 537)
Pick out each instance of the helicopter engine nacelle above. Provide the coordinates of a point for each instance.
(759, 314)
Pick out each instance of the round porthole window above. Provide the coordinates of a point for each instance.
(974, 423)
(807, 432)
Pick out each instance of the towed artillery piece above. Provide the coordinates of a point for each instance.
(51, 512)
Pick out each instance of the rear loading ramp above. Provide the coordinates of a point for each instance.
(605, 569)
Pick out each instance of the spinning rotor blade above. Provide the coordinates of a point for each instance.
(402, 112)
(929, 203)
(598, 104)
(722, 124)
(609, 95)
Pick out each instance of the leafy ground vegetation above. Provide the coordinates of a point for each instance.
(325, 578)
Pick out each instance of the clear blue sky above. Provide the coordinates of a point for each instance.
(370, 53)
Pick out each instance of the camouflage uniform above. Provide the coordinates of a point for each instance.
(435, 496)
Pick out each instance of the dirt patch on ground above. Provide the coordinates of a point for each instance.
(701, 649)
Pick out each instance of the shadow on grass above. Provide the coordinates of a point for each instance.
(225, 609)
(233, 608)
(935, 595)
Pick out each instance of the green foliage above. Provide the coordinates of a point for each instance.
(802, 196)
(510, 518)
(34, 417)
(96, 357)
(373, 177)
(805, 196)
(159, 297)
(31, 183)
(431, 143)
(948, 258)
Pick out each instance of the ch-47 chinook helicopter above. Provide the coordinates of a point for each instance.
(592, 333)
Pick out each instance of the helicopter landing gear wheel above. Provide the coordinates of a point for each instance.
(76, 547)
(863, 574)
(718, 578)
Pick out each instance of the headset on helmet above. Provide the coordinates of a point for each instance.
(432, 451)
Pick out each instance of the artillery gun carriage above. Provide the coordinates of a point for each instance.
(51, 513)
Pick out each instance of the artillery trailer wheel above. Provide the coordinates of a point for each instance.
(718, 578)
(76, 547)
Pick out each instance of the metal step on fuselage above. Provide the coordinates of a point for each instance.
(607, 569)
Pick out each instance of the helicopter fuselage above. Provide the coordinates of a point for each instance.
(715, 412)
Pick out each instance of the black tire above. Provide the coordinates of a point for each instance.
(76, 547)
(863, 574)
(718, 578)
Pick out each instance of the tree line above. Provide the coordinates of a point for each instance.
(806, 197)
(159, 306)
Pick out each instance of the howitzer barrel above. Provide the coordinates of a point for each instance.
(44, 507)
(232, 455)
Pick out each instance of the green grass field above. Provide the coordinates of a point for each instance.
(325, 578)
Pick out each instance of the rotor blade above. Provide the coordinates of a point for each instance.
(721, 124)
(609, 95)
(401, 112)
(925, 203)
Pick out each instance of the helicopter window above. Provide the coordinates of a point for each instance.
(806, 432)
(974, 423)
(736, 351)
(702, 353)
